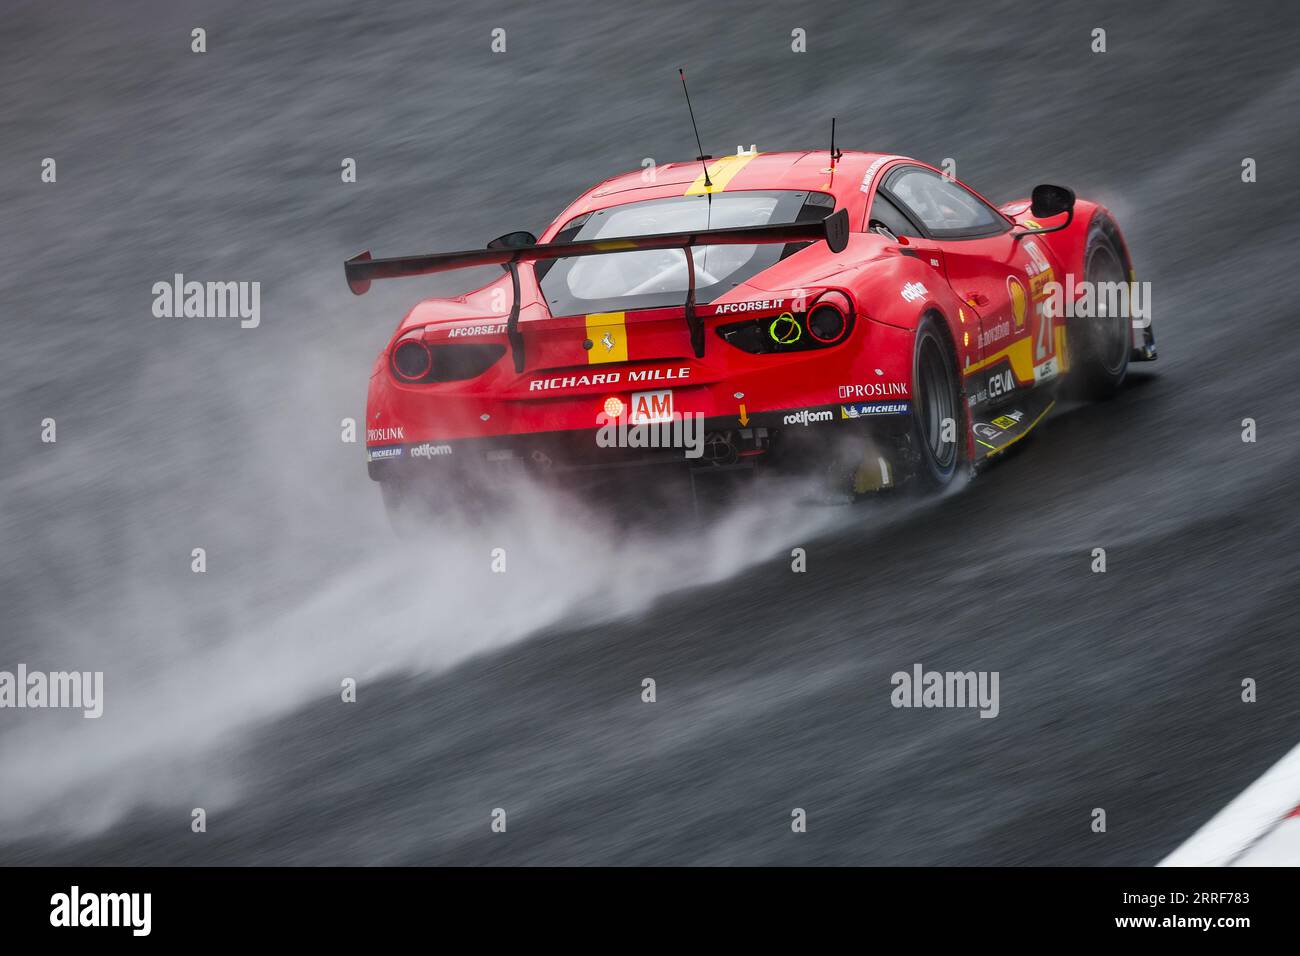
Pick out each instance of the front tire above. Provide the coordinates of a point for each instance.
(1100, 346)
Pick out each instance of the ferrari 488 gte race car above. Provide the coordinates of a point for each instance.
(861, 315)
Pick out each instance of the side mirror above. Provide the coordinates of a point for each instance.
(1051, 201)
(513, 240)
(1048, 201)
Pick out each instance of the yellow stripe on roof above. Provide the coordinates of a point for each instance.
(721, 172)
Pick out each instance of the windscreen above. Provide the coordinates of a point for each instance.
(655, 278)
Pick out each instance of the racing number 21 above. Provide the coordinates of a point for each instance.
(1046, 343)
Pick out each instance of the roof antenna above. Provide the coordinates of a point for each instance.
(708, 183)
(835, 153)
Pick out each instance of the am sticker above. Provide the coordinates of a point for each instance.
(651, 407)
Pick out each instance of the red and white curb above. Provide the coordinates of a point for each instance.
(1261, 827)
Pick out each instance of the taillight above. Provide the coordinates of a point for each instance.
(828, 322)
(412, 360)
(828, 319)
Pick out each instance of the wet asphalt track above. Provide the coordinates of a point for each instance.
(1117, 691)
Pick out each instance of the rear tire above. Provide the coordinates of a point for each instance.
(936, 401)
(1100, 346)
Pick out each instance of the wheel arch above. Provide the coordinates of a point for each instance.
(1070, 244)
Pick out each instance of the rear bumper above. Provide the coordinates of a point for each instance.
(770, 438)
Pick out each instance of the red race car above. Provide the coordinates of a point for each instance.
(861, 314)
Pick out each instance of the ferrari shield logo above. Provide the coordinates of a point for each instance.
(608, 329)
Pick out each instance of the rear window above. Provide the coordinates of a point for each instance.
(657, 277)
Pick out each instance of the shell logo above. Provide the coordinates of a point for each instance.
(1018, 300)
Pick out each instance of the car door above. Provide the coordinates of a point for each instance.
(887, 218)
(1000, 277)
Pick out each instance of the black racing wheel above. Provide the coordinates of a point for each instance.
(1100, 344)
(937, 420)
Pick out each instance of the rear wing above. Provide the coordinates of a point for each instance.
(361, 269)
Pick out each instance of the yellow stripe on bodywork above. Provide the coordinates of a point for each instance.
(1021, 354)
(608, 334)
(720, 173)
(1062, 349)
(1002, 448)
